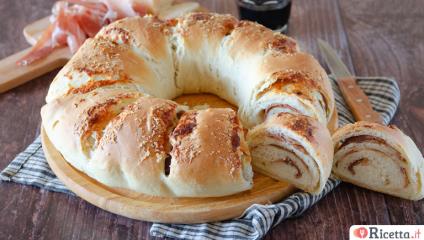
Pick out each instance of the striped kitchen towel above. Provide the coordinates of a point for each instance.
(31, 168)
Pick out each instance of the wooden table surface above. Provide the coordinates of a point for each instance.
(374, 37)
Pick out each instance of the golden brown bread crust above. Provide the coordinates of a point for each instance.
(299, 74)
(146, 33)
(76, 121)
(209, 152)
(155, 119)
(249, 36)
(156, 48)
(95, 118)
(134, 52)
(195, 27)
(100, 63)
(135, 146)
(255, 39)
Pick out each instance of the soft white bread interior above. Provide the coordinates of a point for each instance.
(293, 148)
(380, 158)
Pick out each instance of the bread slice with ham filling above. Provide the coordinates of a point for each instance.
(380, 158)
(293, 148)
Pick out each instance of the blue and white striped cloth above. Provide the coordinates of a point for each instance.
(31, 168)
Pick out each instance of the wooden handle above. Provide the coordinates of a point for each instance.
(12, 75)
(357, 101)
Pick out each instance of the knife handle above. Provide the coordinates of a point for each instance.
(357, 101)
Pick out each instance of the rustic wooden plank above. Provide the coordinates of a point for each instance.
(221, 6)
(388, 41)
(19, 121)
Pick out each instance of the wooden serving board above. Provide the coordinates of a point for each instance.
(333, 124)
(32, 32)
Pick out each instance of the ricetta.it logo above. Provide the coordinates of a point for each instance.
(360, 232)
(380, 232)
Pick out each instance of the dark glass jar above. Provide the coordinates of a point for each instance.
(273, 14)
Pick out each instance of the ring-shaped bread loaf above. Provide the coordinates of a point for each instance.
(107, 111)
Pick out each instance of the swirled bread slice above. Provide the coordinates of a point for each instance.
(380, 158)
(293, 148)
(297, 84)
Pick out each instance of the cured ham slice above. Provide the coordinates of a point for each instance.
(292, 148)
(380, 158)
(73, 21)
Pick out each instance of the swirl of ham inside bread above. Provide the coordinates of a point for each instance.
(380, 158)
(293, 148)
(302, 95)
(277, 152)
(367, 159)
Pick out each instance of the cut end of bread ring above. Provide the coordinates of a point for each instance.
(293, 148)
(380, 158)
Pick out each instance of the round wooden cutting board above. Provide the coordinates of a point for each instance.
(161, 209)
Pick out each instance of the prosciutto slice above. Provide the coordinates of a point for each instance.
(73, 21)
